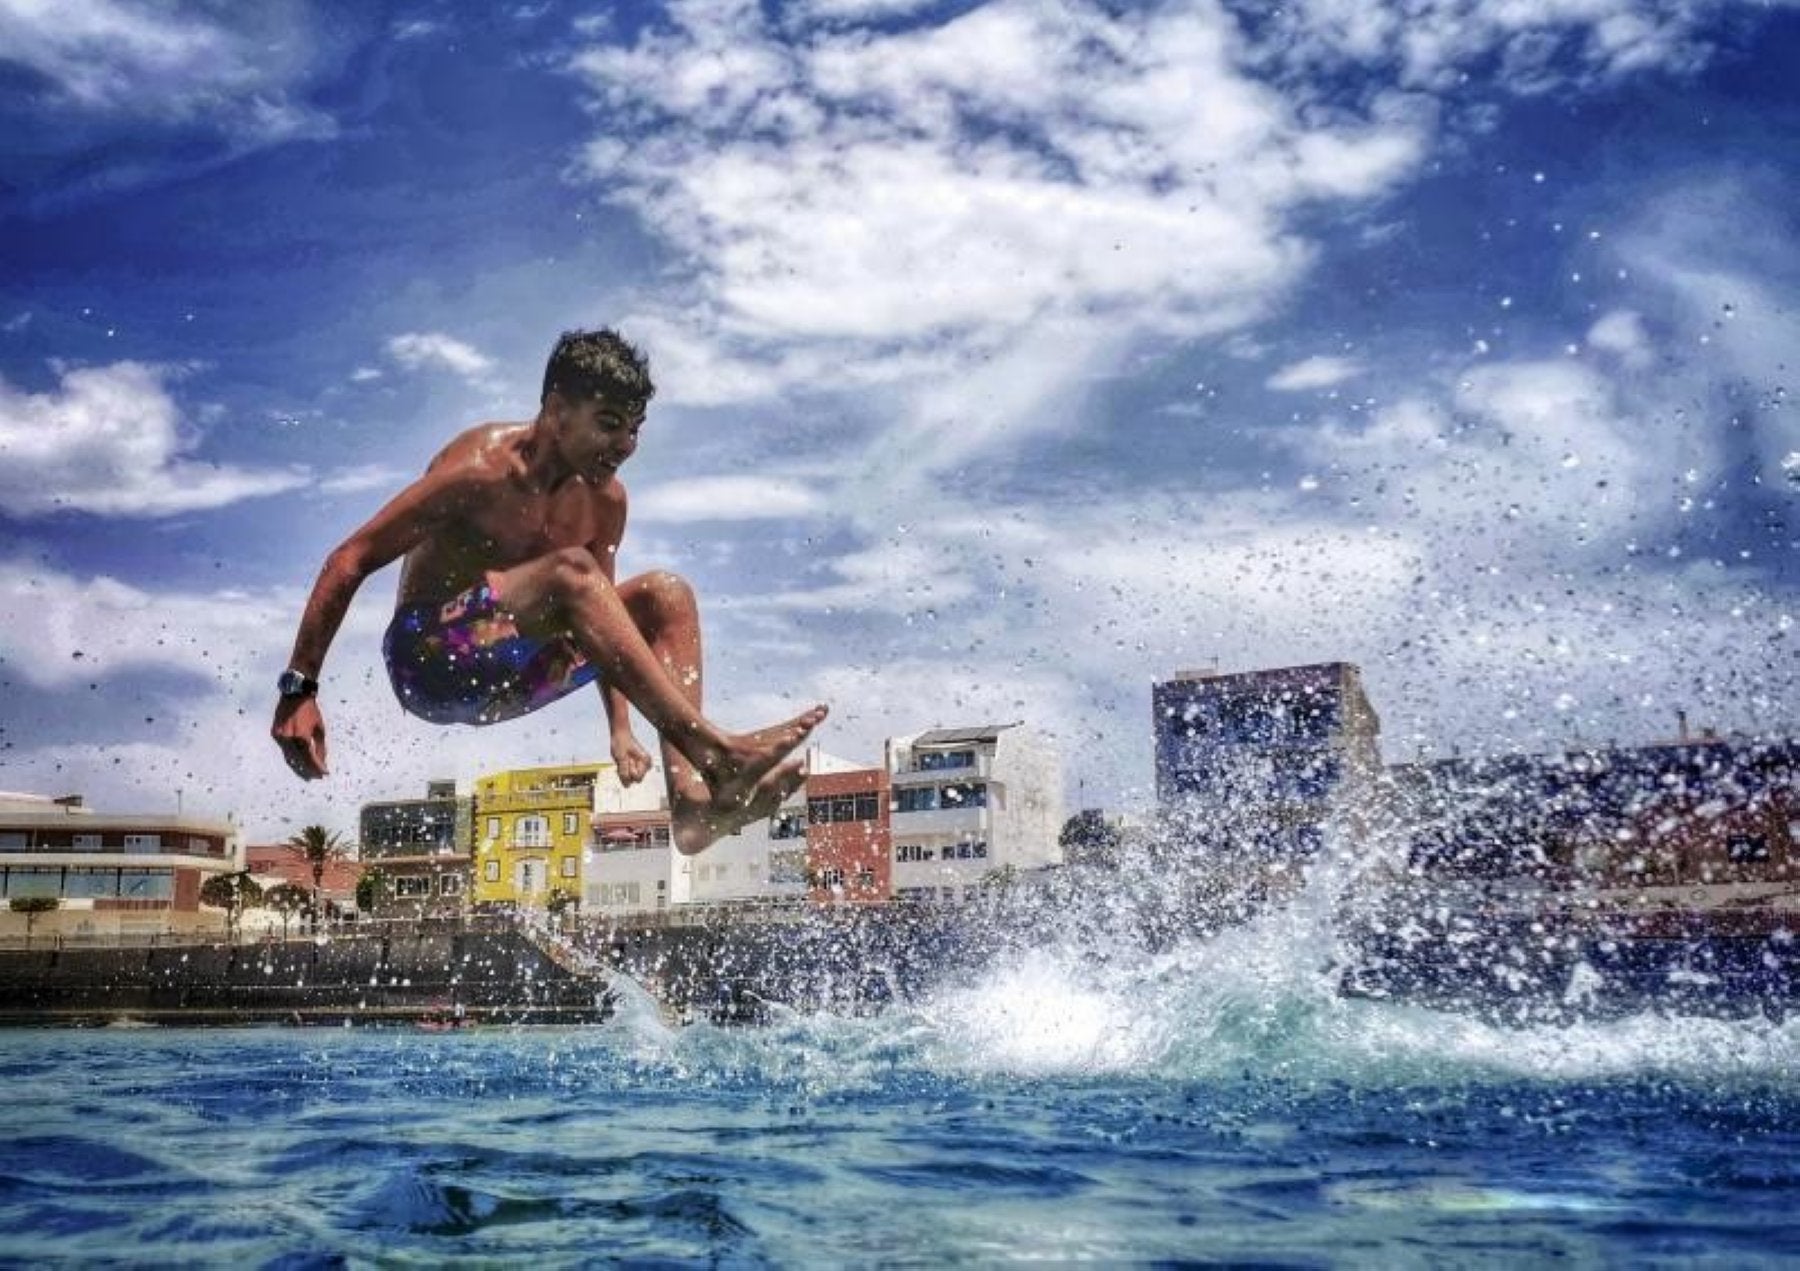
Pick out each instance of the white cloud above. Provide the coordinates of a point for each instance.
(1620, 332)
(739, 498)
(364, 374)
(1537, 45)
(235, 71)
(418, 350)
(1314, 372)
(1547, 455)
(109, 440)
(368, 476)
(951, 187)
(211, 739)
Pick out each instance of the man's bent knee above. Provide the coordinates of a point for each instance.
(665, 597)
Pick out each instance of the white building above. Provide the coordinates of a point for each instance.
(970, 802)
(631, 867)
(100, 875)
(628, 865)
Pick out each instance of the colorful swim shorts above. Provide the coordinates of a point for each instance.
(467, 662)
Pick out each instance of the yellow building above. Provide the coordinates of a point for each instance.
(532, 828)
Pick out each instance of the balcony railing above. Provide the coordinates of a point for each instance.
(913, 775)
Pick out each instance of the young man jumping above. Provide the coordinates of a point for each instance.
(507, 600)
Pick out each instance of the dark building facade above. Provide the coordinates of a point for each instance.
(1263, 762)
(421, 849)
(1678, 814)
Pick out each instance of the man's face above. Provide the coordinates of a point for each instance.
(599, 435)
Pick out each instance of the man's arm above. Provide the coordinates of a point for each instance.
(402, 524)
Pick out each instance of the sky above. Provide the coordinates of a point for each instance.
(1011, 356)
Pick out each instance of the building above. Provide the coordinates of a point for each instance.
(273, 865)
(109, 874)
(630, 866)
(1680, 815)
(532, 833)
(633, 870)
(970, 807)
(848, 837)
(946, 813)
(421, 851)
(1264, 763)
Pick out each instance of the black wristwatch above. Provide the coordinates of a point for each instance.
(294, 684)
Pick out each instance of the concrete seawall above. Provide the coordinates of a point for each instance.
(400, 976)
(727, 969)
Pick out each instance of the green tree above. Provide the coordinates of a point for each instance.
(319, 848)
(234, 893)
(560, 901)
(287, 900)
(370, 888)
(31, 907)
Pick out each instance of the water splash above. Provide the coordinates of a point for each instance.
(1258, 999)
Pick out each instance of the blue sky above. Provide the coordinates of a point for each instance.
(1011, 356)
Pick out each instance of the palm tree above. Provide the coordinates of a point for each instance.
(318, 847)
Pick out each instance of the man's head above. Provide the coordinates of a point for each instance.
(590, 364)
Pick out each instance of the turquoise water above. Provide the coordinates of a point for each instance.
(1213, 1105)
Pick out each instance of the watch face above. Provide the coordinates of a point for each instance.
(292, 684)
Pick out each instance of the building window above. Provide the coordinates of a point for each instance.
(146, 884)
(91, 843)
(411, 886)
(531, 831)
(450, 885)
(43, 881)
(787, 825)
(973, 850)
(92, 883)
(571, 823)
(908, 853)
(493, 827)
(492, 872)
(143, 842)
(831, 878)
(935, 760)
(865, 878)
(16, 840)
(916, 799)
(971, 794)
(570, 867)
(617, 893)
(840, 808)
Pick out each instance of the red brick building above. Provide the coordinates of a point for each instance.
(849, 840)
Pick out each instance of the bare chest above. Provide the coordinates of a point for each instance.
(518, 529)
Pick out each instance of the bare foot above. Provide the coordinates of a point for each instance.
(749, 757)
(696, 825)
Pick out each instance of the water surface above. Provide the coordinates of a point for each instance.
(1202, 1107)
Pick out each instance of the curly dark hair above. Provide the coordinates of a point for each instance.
(599, 363)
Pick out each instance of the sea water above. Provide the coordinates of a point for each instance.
(1217, 1103)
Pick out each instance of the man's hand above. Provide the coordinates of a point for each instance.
(300, 732)
(632, 761)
